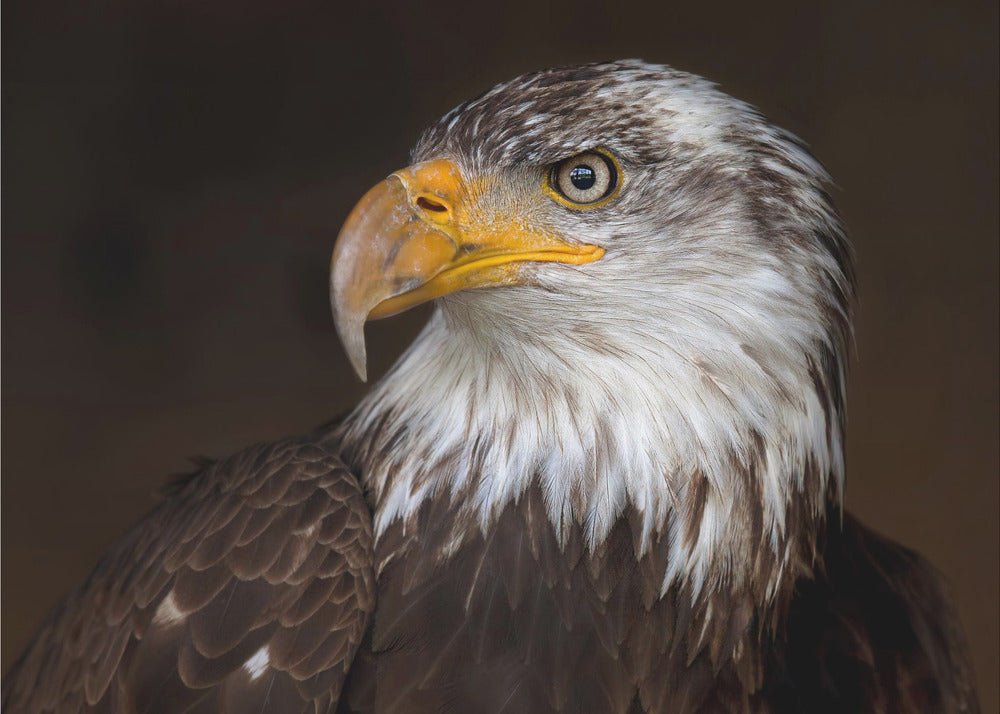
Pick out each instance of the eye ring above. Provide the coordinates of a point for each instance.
(585, 180)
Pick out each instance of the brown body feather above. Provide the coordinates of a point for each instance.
(273, 547)
(512, 622)
(874, 631)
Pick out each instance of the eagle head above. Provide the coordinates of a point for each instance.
(643, 301)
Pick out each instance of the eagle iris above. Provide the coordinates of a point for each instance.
(585, 179)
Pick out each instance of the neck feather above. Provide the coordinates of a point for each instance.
(730, 457)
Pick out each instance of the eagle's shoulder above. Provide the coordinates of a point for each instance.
(248, 589)
(876, 630)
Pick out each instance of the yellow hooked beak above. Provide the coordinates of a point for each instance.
(417, 236)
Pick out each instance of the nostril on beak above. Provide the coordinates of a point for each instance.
(429, 204)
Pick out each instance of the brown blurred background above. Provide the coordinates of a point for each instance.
(174, 174)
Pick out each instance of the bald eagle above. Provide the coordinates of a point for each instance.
(607, 476)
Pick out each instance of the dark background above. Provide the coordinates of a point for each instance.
(174, 175)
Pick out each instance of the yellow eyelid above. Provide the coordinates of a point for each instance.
(554, 192)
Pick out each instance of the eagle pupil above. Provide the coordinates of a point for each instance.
(583, 177)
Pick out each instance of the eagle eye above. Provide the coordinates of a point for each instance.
(585, 179)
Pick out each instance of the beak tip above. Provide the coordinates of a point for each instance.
(352, 335)
(358, 357)
(361, 369)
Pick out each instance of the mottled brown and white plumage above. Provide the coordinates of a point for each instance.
(607, 486)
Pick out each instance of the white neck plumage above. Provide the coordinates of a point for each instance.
(713, 441)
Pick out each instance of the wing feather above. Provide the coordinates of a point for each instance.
(249, 590)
